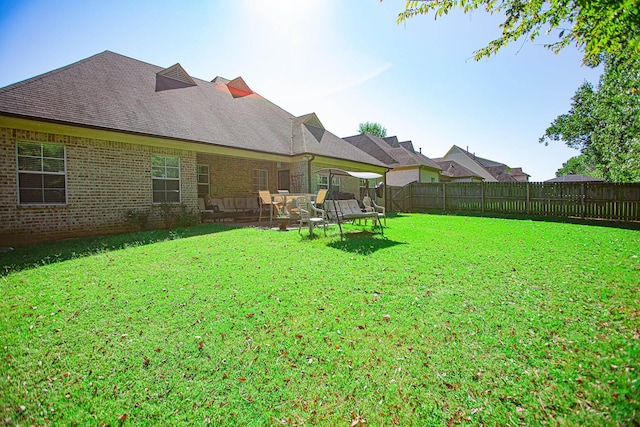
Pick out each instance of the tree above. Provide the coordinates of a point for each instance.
(579, 165)
(604, 121)
(596, 26)
(375, 129)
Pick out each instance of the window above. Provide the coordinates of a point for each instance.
(203, 180)
(165, 171)
(367, 183)
(323, 182)
(260, 180)
(42, 174)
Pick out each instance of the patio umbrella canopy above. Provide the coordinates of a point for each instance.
(331, 172)
(339, 172)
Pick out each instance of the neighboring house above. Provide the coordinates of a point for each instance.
(83, 146)
(405, 164)
(454, 172)
(575, 178)
(488, 170)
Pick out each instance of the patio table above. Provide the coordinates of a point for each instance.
(284, 214)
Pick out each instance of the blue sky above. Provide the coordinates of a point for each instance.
(346, 60)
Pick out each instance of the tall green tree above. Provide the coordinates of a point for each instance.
(595, 26)
(604, 121)
(579, 165)
(375, 129)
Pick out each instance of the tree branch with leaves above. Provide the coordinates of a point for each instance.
(595, 26)
(604, 121)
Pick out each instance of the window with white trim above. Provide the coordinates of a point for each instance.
(260, 180)
(165, 173)
(203, 181)
(322, 182)
(42, 173)
(367, 183)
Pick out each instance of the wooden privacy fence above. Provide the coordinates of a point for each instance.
(594, 200)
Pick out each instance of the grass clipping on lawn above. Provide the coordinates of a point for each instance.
(444, 320)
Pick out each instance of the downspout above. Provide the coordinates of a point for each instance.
(309, 160)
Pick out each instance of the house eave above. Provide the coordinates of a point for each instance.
(88, 131)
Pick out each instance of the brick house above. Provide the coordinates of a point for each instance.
(84, 145)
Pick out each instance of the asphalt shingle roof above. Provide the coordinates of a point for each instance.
(114, 92)
(390, 151)
(455, 170)
(575, 178)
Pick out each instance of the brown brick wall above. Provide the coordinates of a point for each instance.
(233, 176)
(105, 179)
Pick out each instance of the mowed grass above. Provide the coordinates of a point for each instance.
(443, 321)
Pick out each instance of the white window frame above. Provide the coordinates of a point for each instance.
(202, 183)
(163, 173)
(260, 180)
(322, 182)
(20, 170)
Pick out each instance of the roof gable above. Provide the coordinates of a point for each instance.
(392, 141)
(239, 88)
(408, 145)
(174, 77)
(311, 123)
(312, 120)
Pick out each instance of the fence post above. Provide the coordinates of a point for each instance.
(582, 197)
(528, 200)
(444, 198)
(411, 197)
(482, 195)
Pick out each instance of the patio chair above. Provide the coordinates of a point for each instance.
(320, 196)
(291, 209)
(371, 206)
(265, 200)
(311, 215)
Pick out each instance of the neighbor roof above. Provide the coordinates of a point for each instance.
(500, 171)
(391, 152)
(455, 170)
(575, 178)
(114, 92)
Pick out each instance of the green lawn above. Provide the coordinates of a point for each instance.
(445, 320)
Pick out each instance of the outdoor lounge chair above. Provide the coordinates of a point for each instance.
(310, 215)
(205, 213)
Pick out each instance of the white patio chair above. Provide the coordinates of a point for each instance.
(310, 215)
(371, 206)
